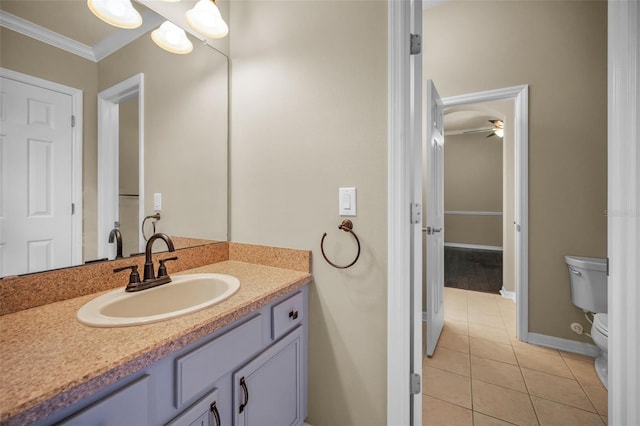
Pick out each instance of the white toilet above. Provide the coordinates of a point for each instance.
(588, 278)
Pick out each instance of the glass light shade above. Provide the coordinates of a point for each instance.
(119, 13)
(499, 132)
(172, 38)
(206, 19)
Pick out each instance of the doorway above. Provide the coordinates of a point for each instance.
(515, 230)
(478, 197)
(111, 194)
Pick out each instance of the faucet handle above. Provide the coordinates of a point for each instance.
(134, 277)
(162, 269)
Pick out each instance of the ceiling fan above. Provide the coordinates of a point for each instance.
(496, 130)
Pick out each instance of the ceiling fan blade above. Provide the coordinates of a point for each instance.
(468, 132)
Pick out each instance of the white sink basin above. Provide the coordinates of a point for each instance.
(183, 295)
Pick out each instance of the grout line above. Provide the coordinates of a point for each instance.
(448, 371)
(448, 402)
(588, 397)
(569, 406)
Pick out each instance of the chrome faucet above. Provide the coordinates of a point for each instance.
(148, 261)
(116, 235)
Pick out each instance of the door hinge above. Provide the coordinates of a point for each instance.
(607, 266)
(73, 208)
(416, 44)
(73, 121)
(415, 384)
(416, 213)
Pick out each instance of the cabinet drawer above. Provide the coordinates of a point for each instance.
(196, 370)
(286, 315)
(128, 405)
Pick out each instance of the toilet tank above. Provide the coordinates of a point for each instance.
(588, 277)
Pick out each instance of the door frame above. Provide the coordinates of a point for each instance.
(520, 96)
(623, 210)
(76, 151)
(108, 177)
(399, 198)
(400, 178)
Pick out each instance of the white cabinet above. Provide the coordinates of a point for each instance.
(251, 372)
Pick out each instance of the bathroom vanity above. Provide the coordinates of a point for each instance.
(240, 362)
(250, 372)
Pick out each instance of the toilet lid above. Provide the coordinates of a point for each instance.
(601, 323)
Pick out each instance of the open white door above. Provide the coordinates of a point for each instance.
(434, 231)
(417, 346)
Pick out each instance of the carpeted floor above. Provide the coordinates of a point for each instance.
(472, 269)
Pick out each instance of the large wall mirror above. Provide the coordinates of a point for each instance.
(163, 118)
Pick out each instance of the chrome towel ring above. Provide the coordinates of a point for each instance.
(346, 226)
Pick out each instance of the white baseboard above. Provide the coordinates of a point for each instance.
(473, 246)
(508, 294)
(566, 345)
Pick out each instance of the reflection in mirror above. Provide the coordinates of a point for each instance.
(182, 153)
(129, 193)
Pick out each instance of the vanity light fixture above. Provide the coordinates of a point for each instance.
(206, 19)
(119, 13)
(172, 38)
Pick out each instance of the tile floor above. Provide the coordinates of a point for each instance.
(481, 375)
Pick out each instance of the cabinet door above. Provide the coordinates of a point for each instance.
(268, 390)
(126, 406)
(202, 413)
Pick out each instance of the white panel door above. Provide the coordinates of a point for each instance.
(36, 150)
(434, 217)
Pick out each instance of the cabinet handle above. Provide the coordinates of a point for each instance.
(216, 414)
(293, 315)
(243, 384)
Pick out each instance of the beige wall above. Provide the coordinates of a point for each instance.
(185, 133)
(29, 56)
(473, 183)
(471, 229)
(309, 115)
(508, 200)
(559, 49)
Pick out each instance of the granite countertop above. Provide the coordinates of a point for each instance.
(49, 360)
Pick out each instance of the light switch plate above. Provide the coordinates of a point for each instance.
(347, 201)
(157, 201)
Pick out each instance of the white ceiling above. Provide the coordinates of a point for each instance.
(466, 120)
(71, 19)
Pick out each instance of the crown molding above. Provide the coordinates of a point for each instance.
(44, 35)
(101, 50)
